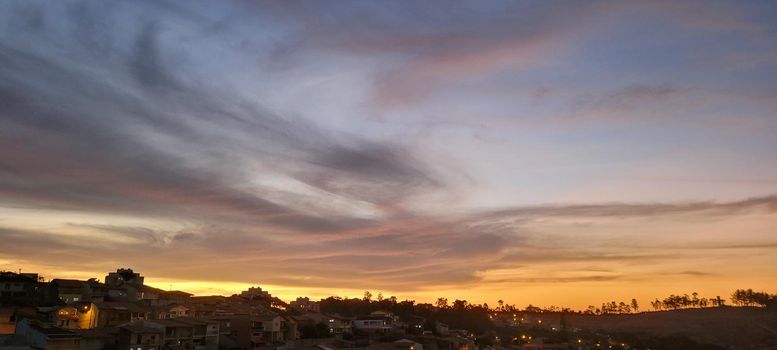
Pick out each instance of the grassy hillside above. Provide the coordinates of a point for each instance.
(738, 327)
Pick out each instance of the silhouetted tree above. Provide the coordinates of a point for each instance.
(460, 305)
(747, 297)
(442, 303)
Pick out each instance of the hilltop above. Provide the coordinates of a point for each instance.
(736, 327)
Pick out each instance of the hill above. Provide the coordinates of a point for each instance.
(735, 327)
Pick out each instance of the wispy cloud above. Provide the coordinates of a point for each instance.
(149, 134)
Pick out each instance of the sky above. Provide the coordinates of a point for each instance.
(543, 152)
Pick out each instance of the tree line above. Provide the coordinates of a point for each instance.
(685, 301)
(747, 297)
(446, 311)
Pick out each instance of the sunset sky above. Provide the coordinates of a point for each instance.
(553, 153)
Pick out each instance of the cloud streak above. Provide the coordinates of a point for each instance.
(150, 135)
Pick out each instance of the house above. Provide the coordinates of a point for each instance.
(303, 304)
(148, 293)
(138, 336)
(42, 336)
(188, 333)
(81, 315)
(204, 311)
(175, 310)
(19, 288)
(336, 323)
(234, 329)
(265, 330)
(205, 333)
(290, 328)
(176, 333)
(155, 296)
(98, 291)
(71, 291)
(175, 296)
(208, 299)
(441, 328)
(373, 324)
(119, 293)
(66, 317)
(116, 313)
(415, 324)
(98, 338)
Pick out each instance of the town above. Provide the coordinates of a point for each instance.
(124, 313)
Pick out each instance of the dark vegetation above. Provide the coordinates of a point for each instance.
(684, 321)
(458, 315)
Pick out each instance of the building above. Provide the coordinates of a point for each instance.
(139, 337)
(126, 280)
(117, 313)
(19, 288)
(71, 291)
(303, 304)
(265, 330)
(415, 324)
(205, 333)
(98, 292)
(42, 336)
(254, 293)
(290, 328)
(188, 333)
(82, 315)
(234, 330)
(441, 328)
(7, 320)
(375, 323)
(336, 324)
(174, 311)
(155, 296)
(98, 338)
(208, 299)
(124, 276)
(176, 334)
